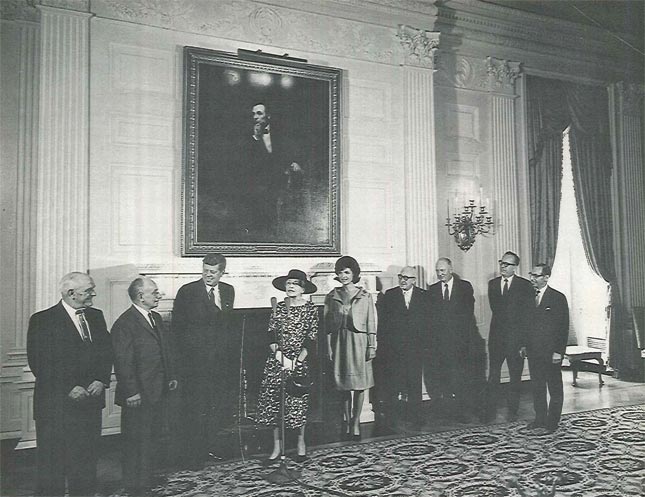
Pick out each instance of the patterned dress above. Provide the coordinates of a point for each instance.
(299, 327)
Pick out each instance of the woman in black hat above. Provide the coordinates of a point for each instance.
(293, 328)
(350, 321)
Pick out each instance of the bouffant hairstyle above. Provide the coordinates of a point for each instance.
(347, 262)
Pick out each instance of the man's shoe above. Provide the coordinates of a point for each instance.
(511, 417)
(534, 425)
(550, 429)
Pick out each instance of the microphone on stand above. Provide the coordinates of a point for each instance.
(274, 305)
(287, 303)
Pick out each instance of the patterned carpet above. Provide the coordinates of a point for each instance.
(593, 454)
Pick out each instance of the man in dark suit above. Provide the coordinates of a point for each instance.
(70, 354)
(209, 353)
(144, 369)
(511, 301)
(545, 343)
(403, 341)
(452, 324)
(272, 174)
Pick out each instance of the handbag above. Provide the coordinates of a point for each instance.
(299, 385)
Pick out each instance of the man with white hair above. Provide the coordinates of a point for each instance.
(70, 354)
(404, 340)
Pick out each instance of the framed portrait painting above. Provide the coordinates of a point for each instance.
(261, 156)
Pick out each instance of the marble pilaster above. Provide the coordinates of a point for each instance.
(501, 84)
(63, 150)
(629, 224)
(26, 181)
(420, 151)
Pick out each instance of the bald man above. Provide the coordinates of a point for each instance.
(70, 354)
(452, 319)
(403, 339)
(144, 367)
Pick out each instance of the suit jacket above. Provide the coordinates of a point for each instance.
(452, 323)
(60, 360)
(403, 331)
(363, 315)
(548, 330)
(143, 357)
(511, 313)
(201, 330)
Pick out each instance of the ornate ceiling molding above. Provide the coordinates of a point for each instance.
(253, 23)
(419, 46)
(469, 23)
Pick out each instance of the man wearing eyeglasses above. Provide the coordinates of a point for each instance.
(545, 342)
(403, 343)
(511, 299)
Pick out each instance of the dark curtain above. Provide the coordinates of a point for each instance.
(547, 118)
(591, 160)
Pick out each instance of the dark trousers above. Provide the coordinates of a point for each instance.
(208, 409)
(449, 381)
(545, 374)
(141, 430)
(515, 363)
(401, 374)
(67, 448)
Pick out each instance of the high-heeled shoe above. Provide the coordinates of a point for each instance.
(269, 461)
(356, 437)
(345, 432)
(300, 458)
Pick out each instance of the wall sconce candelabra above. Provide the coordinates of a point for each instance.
(465, 226)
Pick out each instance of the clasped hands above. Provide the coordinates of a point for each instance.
(79, 393)
(286, 363)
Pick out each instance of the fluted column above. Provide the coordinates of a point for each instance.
(501, 84)
(420, 152)
(629, 192)
(62, 174)
(26, 180)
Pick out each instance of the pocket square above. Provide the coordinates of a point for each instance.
(547, 308)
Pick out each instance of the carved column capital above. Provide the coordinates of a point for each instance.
(502, 74)
(420, 46)
(632, 96)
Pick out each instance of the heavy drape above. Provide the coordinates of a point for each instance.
(547, 118)
(551, 107)
(591, 160)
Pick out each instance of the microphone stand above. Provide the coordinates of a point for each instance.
(283, 474)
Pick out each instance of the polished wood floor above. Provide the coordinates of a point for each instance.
(18, 468)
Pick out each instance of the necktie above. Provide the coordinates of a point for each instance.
(537, 298)
(84, 328)
(153, 323)
(446, 294)
(505, 290)
(211, 296)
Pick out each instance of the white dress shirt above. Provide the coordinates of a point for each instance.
(76, 320)
(501, 286)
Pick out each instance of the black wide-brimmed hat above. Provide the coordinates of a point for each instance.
(295, 274)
